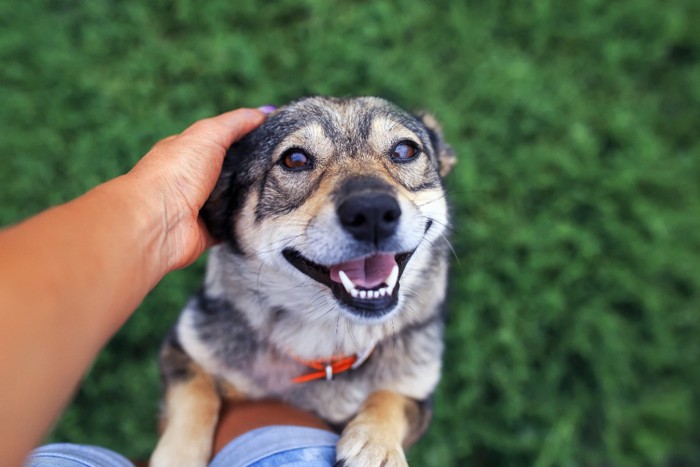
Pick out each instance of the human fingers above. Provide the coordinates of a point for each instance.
(223, 130)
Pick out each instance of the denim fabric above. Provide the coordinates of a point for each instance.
(75, 455)
(289, 446)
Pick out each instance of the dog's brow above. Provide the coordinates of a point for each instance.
(386, 131)
(311, 137)
(342, 127)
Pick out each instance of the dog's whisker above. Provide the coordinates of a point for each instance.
(442, 224)
(257, 288)
(314, 307)
(320, 317)
(454, 253)
(337, 344)
(273, 246)
(449, 245)
(433, 200)
(349, 327)
(394, 338)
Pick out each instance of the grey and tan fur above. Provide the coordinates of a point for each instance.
(322, 182)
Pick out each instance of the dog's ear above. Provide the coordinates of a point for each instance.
(445, 154)
(226, 200)
(218, 210)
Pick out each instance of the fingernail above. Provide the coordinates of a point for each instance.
(267, 109)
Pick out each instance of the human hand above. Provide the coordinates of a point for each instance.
(179, 173)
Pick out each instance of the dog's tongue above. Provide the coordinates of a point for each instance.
(366, 272)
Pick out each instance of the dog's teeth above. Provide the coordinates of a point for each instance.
(347, 283)
(370, 294)
(392, 279)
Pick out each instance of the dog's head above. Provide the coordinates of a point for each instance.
(339, 193)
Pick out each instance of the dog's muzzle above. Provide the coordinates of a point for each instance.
(368, 284)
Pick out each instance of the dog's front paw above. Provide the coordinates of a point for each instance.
(182, 454)
(363, 445)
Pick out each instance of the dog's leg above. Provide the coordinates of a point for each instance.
(387, 423)
(190, 414)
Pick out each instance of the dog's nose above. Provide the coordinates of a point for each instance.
(370, 217)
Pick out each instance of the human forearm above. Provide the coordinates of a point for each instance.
(69, 278)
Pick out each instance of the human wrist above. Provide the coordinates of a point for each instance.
(177, 236)
(148, 213)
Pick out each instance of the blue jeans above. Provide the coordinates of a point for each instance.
(290, 446)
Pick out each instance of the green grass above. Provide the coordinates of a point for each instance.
(575, 297)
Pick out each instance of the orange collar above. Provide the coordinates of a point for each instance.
(330, 367)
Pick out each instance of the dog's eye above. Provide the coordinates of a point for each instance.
(404, 151)
(296, 159)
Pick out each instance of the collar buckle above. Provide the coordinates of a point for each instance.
(327, 369)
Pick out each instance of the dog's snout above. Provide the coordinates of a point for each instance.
(370, 217)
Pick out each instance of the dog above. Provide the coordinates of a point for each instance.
(327, 287)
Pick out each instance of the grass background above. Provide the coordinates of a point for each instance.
(574, 333)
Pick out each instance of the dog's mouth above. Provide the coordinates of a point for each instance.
(368, 286)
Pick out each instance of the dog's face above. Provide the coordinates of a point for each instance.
(339, 194)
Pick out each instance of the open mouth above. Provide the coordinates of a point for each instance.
(369, 286)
